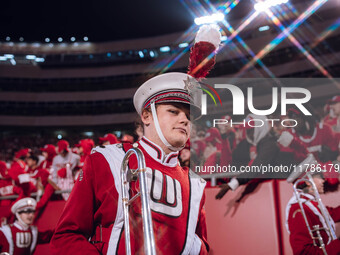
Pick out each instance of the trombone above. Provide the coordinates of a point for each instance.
(307, 177)
(127, 175)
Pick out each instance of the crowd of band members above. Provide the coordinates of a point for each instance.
(56, 166)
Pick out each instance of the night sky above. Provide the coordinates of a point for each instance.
(100, 20)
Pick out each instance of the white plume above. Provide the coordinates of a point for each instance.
(209, 33)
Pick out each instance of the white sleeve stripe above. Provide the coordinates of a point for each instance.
(8, 234)
(196, 190)
(34, 230)
(114, 157)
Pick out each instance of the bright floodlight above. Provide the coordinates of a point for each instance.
(21, 39)
(47, 40)
(86, 38)
(39, 60)
(30, 57)
(141, 54)
(73, 39)
(262, 6)
(8, 38)
(164, 49)
(152, 54)
(183, 45)
(264, 28)
(214, 18)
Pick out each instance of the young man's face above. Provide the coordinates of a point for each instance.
(319, 183)
(336, 108)
(31, 163)
(27, 217)
(174, 120)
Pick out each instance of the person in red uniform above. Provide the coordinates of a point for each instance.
(309, 136)
(21, 237)
(85, 147)
(333, 117)
(334, 123)
(300, 239)
(7, 187)
(18, 167)
(92, 220)
(108, 139)
(44, 185)
(176, 197)
(18, 172)
(49, 152)
(317, 138)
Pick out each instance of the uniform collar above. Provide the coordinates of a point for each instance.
(20, 226)
(158, 154)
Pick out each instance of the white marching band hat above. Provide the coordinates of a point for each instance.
(171, 87)
(178, 87)
(23, 204)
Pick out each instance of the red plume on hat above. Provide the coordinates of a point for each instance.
(203, 53)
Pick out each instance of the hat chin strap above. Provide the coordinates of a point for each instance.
(159, 131)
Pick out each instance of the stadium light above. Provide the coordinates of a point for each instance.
(262, 6)
(30, 57)
(21, 39)
(59, 136)
(86, 38)
(60, 39)
(264, 28)
(8, 38)
(164, 49)
(40, 60)
(47, 40)
(210, 19)
(183, 45)
(73, 39)
(141, 54)
(88, 133)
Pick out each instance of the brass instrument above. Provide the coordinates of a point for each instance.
(307, 177)
(126, 177)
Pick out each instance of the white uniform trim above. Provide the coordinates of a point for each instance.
(172, 157)
(34, 230)
(192, 246)
(8, 234)
(114, 156)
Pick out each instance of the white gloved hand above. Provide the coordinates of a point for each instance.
(285, 139)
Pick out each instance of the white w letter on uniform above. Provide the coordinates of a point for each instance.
(23, 239)
(171, 202)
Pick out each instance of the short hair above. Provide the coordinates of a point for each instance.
(34, 158)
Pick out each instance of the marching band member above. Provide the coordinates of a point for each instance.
(21, 237)
(94, 208)
(300, 238)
